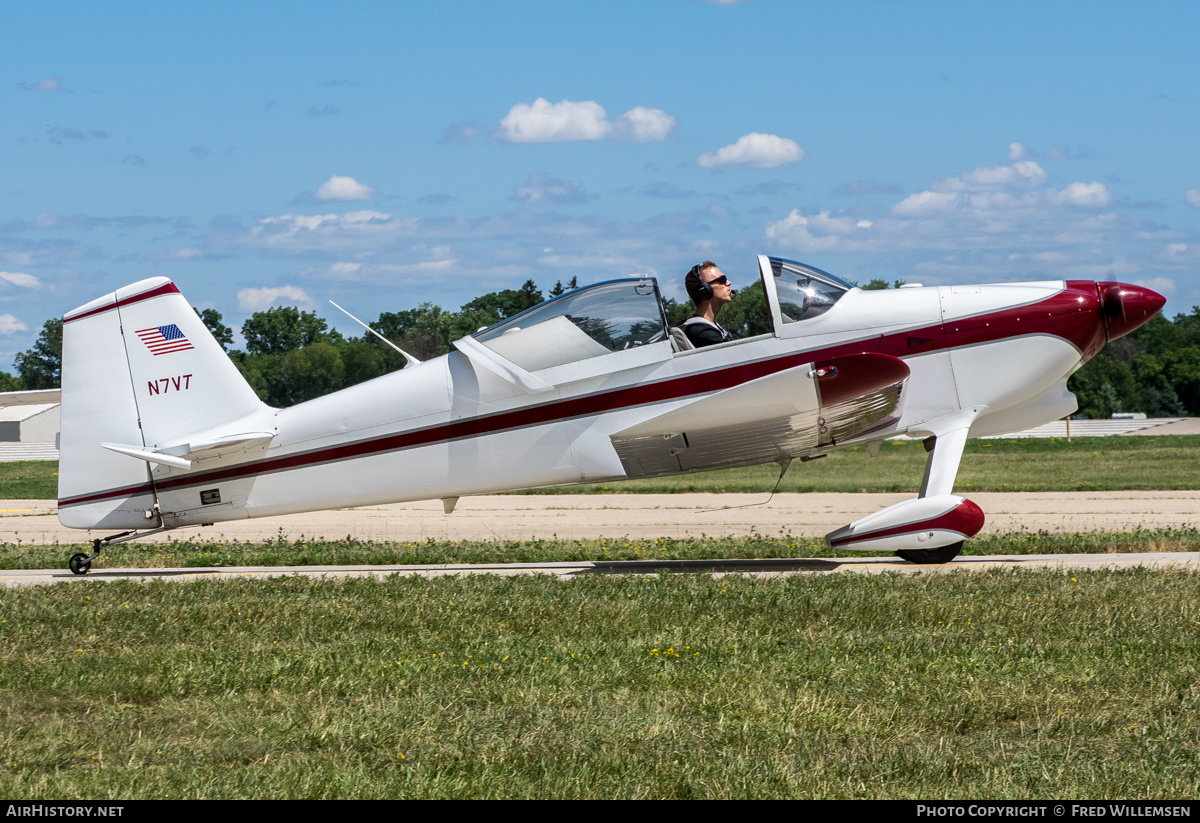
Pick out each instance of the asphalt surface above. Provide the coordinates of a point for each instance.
(566, 571)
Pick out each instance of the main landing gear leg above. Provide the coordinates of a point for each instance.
(82, 563)
(945, 443)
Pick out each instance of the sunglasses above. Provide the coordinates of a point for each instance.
(722, 281)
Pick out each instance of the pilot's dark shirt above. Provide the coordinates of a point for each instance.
(704, 333)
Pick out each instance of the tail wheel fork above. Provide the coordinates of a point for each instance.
(81, 563)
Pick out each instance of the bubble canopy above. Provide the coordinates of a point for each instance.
(596, 320)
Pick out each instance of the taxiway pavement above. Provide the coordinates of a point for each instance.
(566, 571)
(641, 516)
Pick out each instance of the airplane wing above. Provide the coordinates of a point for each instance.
(792, 413)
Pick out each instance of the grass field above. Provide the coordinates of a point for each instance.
(983, 685)
(1029, 464)
(1042, 464)
(301, 552)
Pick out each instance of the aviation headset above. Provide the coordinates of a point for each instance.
(697, 288)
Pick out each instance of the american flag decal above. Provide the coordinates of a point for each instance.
(164, 339)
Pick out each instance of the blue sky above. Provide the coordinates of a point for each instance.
(388, 154)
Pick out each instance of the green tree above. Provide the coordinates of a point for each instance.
(10, 382)
(365, 359)
(212, 321)
(747, 314)
(878, 284)
(313, 371)
(1105, 385)
(41, 366)
(503, 304)
(283, 329)
(427, 331)
(559, 288)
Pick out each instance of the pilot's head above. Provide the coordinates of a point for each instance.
(706, 282)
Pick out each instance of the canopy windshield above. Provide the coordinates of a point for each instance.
(804, 292)
(588, 322)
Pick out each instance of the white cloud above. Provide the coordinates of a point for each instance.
(389, 273)
(344, 188)
(1089, 195)
(20, 279)
(1193, 197)
(546, 122)
(756, 150)
(265, 297)
(925, 203)
(570, 120)
(1018, 152)
(822, 232)
(642, 125)
(11, 325)
(1021, 174)
(1162, 285)
(355, 229)
(998, 210)
(45, 85)
(541, 189)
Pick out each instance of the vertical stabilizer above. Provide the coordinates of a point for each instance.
(141, 371)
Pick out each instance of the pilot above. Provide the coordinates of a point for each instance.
(709, 289)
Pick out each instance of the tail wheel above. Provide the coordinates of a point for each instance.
(80, 563)
(943, 554)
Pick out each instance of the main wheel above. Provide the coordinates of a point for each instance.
(80, 563)
(943, 554)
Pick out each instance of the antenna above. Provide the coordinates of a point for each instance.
(409, 360)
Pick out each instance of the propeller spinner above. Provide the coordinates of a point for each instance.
(1126, 307)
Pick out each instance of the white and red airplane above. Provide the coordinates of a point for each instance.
(160, 430)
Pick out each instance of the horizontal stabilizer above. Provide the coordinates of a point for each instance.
(211, 447)
(141, 453)
(176, 456)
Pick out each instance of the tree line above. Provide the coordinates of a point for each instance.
(291, 355)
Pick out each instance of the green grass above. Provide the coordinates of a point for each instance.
(985, 685)
(321, 552)
(1029, 464)
(29, 480)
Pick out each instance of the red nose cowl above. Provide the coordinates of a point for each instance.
(1125, 307)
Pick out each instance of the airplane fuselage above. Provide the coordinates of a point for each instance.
(459, 425)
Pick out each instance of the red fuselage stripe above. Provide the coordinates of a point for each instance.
(1061, 315)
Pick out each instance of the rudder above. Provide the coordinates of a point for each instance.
(141, 372)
